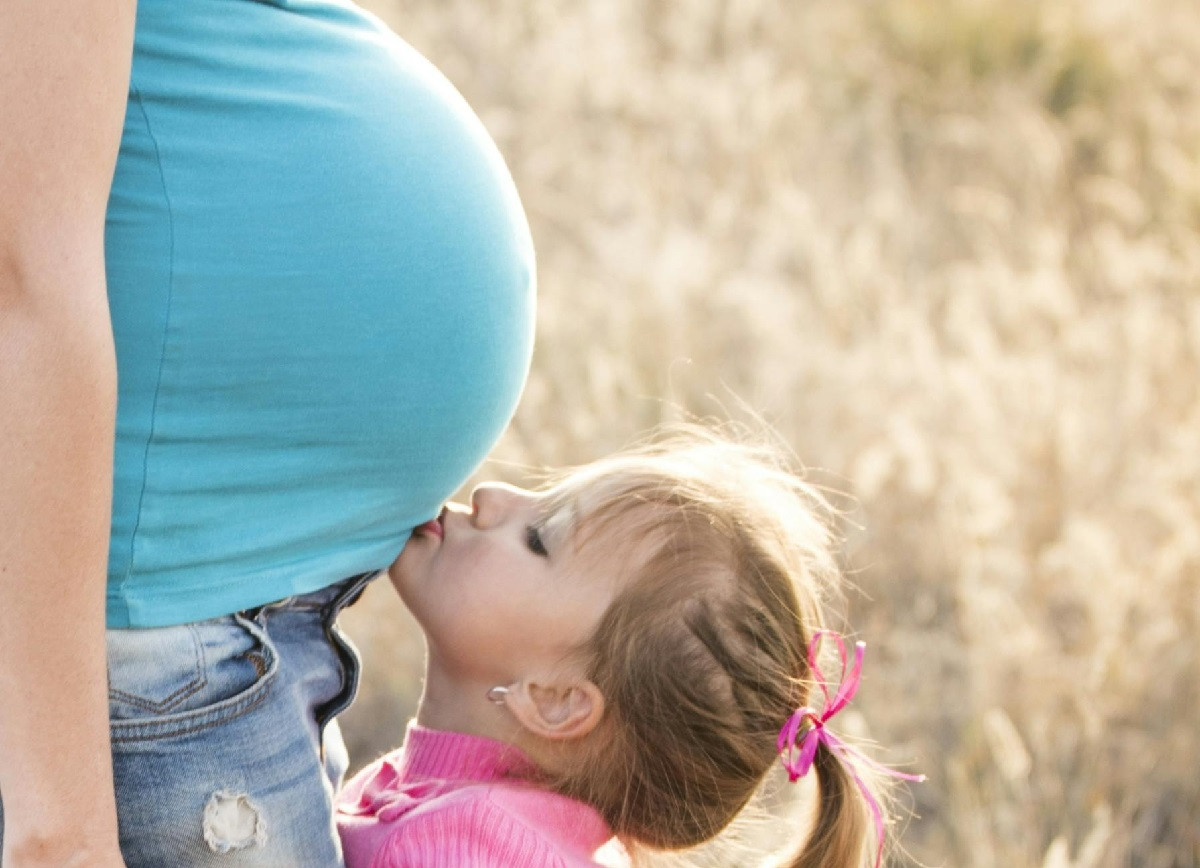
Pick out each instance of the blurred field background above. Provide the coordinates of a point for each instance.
(950, 250)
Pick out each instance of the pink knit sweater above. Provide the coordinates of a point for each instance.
(447, 800)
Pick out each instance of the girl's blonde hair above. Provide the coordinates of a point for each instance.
(702, 656)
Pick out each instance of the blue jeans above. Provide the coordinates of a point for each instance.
(225, 751)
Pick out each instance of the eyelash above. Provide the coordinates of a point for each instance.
(533, 539)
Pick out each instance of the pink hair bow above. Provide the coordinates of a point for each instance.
(798, 756)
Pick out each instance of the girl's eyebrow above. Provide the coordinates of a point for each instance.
(556, 527)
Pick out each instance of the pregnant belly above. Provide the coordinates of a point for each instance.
(320, 276)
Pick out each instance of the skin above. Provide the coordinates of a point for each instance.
(64, 76)
(504, 598)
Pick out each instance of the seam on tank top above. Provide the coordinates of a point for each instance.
(137, 96)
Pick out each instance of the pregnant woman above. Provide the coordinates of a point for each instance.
(266, 300)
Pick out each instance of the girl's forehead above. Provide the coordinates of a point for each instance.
(594, 489)
(590, 522)
(577, 508)
(560, 519)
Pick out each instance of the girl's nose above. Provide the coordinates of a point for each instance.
(493, 503)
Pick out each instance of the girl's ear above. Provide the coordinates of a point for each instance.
(557, 711)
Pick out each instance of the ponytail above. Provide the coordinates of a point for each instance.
(847, 779)
(841, 836)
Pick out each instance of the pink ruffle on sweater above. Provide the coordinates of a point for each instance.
(447, 800)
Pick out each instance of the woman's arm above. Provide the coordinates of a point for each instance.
(64, 75)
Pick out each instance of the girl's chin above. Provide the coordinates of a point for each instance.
(398, 576)
(400, 566)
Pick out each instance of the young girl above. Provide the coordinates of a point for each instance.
(624, 653)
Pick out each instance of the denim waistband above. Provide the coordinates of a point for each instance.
(329, 600)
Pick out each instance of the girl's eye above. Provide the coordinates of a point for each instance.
(533, 539)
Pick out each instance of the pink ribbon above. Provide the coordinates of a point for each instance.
(798, 757)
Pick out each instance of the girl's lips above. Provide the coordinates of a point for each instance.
(433, 528)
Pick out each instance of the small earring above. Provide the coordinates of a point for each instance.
(497, 695)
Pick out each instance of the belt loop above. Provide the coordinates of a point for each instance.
(352, 589)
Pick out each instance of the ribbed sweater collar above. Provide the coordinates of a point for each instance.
(432, 754)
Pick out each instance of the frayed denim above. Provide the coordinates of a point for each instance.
(225, 747)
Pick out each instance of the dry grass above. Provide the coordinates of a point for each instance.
(950, 249)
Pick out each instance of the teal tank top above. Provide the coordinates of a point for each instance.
(322, 291)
